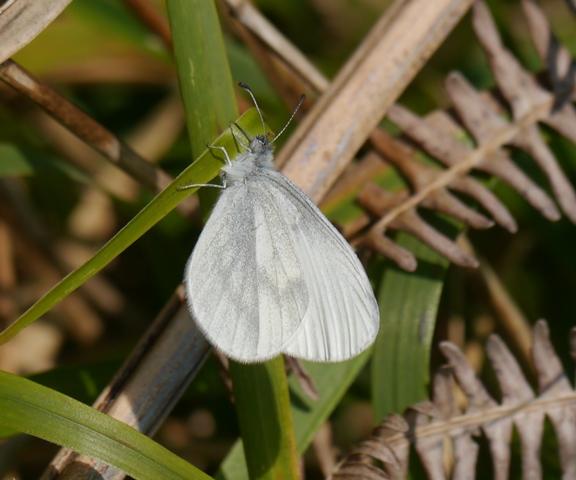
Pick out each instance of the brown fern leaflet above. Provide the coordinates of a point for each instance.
(441, 429)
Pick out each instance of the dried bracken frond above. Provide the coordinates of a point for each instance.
(444, 436)
(560, 66)
(481, 118)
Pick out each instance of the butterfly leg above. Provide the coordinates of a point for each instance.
(200, 185)
(223, 150)
(239, 143)
(213, 185)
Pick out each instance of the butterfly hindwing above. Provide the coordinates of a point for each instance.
(342, 317)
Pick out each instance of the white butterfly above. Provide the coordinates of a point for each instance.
(270, 274)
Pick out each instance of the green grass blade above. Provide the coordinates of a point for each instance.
(205, 79)
(204, 169)
(408, 305)
(207, 89)
(263, 405)
(39, 411)
(331, 380)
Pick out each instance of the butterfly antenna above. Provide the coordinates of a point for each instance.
(296, 108)
(247, 88)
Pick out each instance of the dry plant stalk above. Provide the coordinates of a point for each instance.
(8, 307)
(324, 450)
(90, 131)
(93, 217)
(150, 16)
(437, 135)
(438, 428)
(341, 121)
(22, 20)
(510, 318)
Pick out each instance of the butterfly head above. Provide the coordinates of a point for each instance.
(260, 145)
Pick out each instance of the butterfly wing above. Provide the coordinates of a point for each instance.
(244, 280)
(342, 318)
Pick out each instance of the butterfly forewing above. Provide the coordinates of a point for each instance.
(245, 283)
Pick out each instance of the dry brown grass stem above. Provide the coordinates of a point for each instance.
(151, 18)
(248, 16)
(508, 313)
(370, 81)
(90, 131)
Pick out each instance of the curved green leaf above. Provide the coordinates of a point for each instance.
(39, 411)
(408, 305)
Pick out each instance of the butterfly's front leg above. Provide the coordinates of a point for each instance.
(213, 185)
(223, 150)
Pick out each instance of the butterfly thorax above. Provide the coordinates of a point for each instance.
(258, 156)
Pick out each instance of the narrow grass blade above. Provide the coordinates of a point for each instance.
(207, 89)
(263, 405)
(39, 411)
(408, 307)
(204, 169)
(205, 79)
(331, 380)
